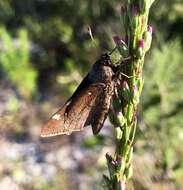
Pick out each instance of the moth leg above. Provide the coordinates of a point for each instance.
(127, 75)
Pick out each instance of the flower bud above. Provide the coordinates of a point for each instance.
(148, 38)
(122, 185)
(141, 48)
(126, 91)
(134, 17)
(121, 45)
(150, 29)
(118, 133)
(119, 161)
(135, 88)
(120, 119)
(135, 10)
(118, 41)
(141, 43)
(117, 119)
(130, 110)
(136, 95)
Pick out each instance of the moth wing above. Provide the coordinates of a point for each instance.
(100, 111)
(55, 124)
(73, 115)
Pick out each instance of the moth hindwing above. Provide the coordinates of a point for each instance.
(89, 105)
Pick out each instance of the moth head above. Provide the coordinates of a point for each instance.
(105, 60)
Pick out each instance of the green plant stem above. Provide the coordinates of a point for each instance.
(125, 103)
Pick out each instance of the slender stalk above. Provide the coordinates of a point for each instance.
(138, 36)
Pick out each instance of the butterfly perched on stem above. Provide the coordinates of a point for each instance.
(89, 105)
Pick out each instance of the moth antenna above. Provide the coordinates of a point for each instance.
(91, 36)
(114, 49)
(90, 32)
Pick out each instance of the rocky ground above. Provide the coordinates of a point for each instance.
(32, 163)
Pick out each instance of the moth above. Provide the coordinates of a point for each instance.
(89, 104)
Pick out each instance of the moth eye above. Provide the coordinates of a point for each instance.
(89, 93)
(56, 117)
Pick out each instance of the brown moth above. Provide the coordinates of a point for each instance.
(89, 105)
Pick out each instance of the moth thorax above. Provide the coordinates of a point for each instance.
(101, 73)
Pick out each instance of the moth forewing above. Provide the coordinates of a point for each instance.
(72, 117)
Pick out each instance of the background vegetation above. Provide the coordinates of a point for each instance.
(45, 50)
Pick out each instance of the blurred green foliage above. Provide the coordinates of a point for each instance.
(45, 49)
(14, 58)
(92, 141)
(163, 108)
